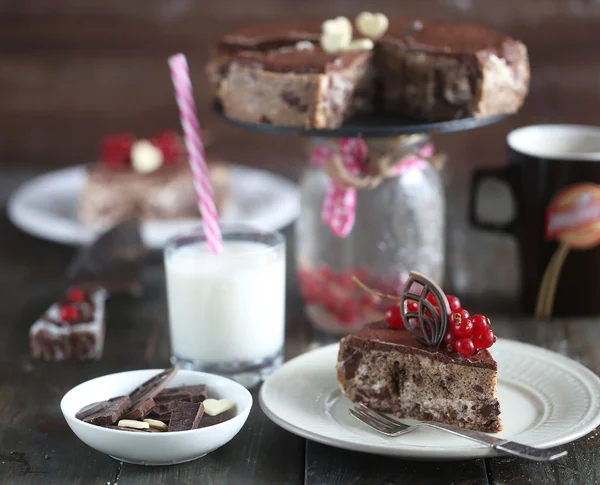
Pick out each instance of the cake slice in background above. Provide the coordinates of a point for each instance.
(436, 369)
(146, 179)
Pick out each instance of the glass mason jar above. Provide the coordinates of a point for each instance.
(399, 227)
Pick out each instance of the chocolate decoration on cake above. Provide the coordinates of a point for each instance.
(426, 325)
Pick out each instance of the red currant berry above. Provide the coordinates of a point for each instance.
(412, 306)
(458, 315)
(480, 323)
(464, 346)
(115, 149)
(326, 273)
(347, 315)
(369, 299)
(485, 339)
(431, 299)
(69, 313)
(169, 144)
(454, 302)
(393, 317)
(450, 340)
(462, 327)
(76, 295)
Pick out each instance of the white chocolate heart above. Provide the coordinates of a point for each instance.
(336, 34)
(372, 25)
(360, 45)
(145, 157)
(334, 42)
(212, 407)
(337, 25)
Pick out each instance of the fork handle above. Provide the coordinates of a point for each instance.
(510, 447)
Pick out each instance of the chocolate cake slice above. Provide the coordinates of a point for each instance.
(410, 372)
(279, 74)
(111, 195)
(73, 328)
(389, 371)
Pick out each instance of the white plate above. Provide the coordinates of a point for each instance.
(155, 448)
(546, 400)
(46, 206)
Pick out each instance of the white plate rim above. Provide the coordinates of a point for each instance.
(74, 234)
(440, 454)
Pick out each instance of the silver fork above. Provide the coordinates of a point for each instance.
(392, 427)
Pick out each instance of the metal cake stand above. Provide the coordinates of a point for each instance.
(370, 126)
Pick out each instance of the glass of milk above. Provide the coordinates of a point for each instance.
(226, 311)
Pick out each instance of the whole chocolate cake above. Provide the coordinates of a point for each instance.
(426, 371)
(290, 74)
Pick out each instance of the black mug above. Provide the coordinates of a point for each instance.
(545, 161)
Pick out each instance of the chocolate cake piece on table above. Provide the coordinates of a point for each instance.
(145, 179)
(428, 361)
(314, 75)
(73, 328)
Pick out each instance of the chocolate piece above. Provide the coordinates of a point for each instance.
(441, 71)
(114, 261)
(52, 338)
(109, 412)
(212, 420)
(140, 410)
(153, 386)
(168, 399)
(426, 324)
(185, 393)
(185, 416)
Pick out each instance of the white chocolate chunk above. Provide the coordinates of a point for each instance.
(156, 424)
(337, 25)
(360, 45)
(131, 423)
(372, 25)
(212, 407)
(333, 43)
(304, 45)
(336, 34)
(145, 157)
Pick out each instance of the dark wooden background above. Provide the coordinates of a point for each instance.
(72, 71)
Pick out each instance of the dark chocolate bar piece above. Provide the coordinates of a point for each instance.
(153, 386)
(114, 261)
(108, 412)
(140, 410)
(185, 416)
(208, 420)
(184, 393)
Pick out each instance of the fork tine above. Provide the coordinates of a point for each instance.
(380, 426)
(363, 418)
(383, 417)
(378, 419)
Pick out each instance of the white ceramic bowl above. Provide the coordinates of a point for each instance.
(155, 448)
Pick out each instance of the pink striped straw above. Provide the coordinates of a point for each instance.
(180, 75)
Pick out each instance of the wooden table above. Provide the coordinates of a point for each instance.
(37, 446)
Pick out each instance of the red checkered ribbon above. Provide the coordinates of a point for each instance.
(339, 205)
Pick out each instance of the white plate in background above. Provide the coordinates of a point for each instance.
(46, 206)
